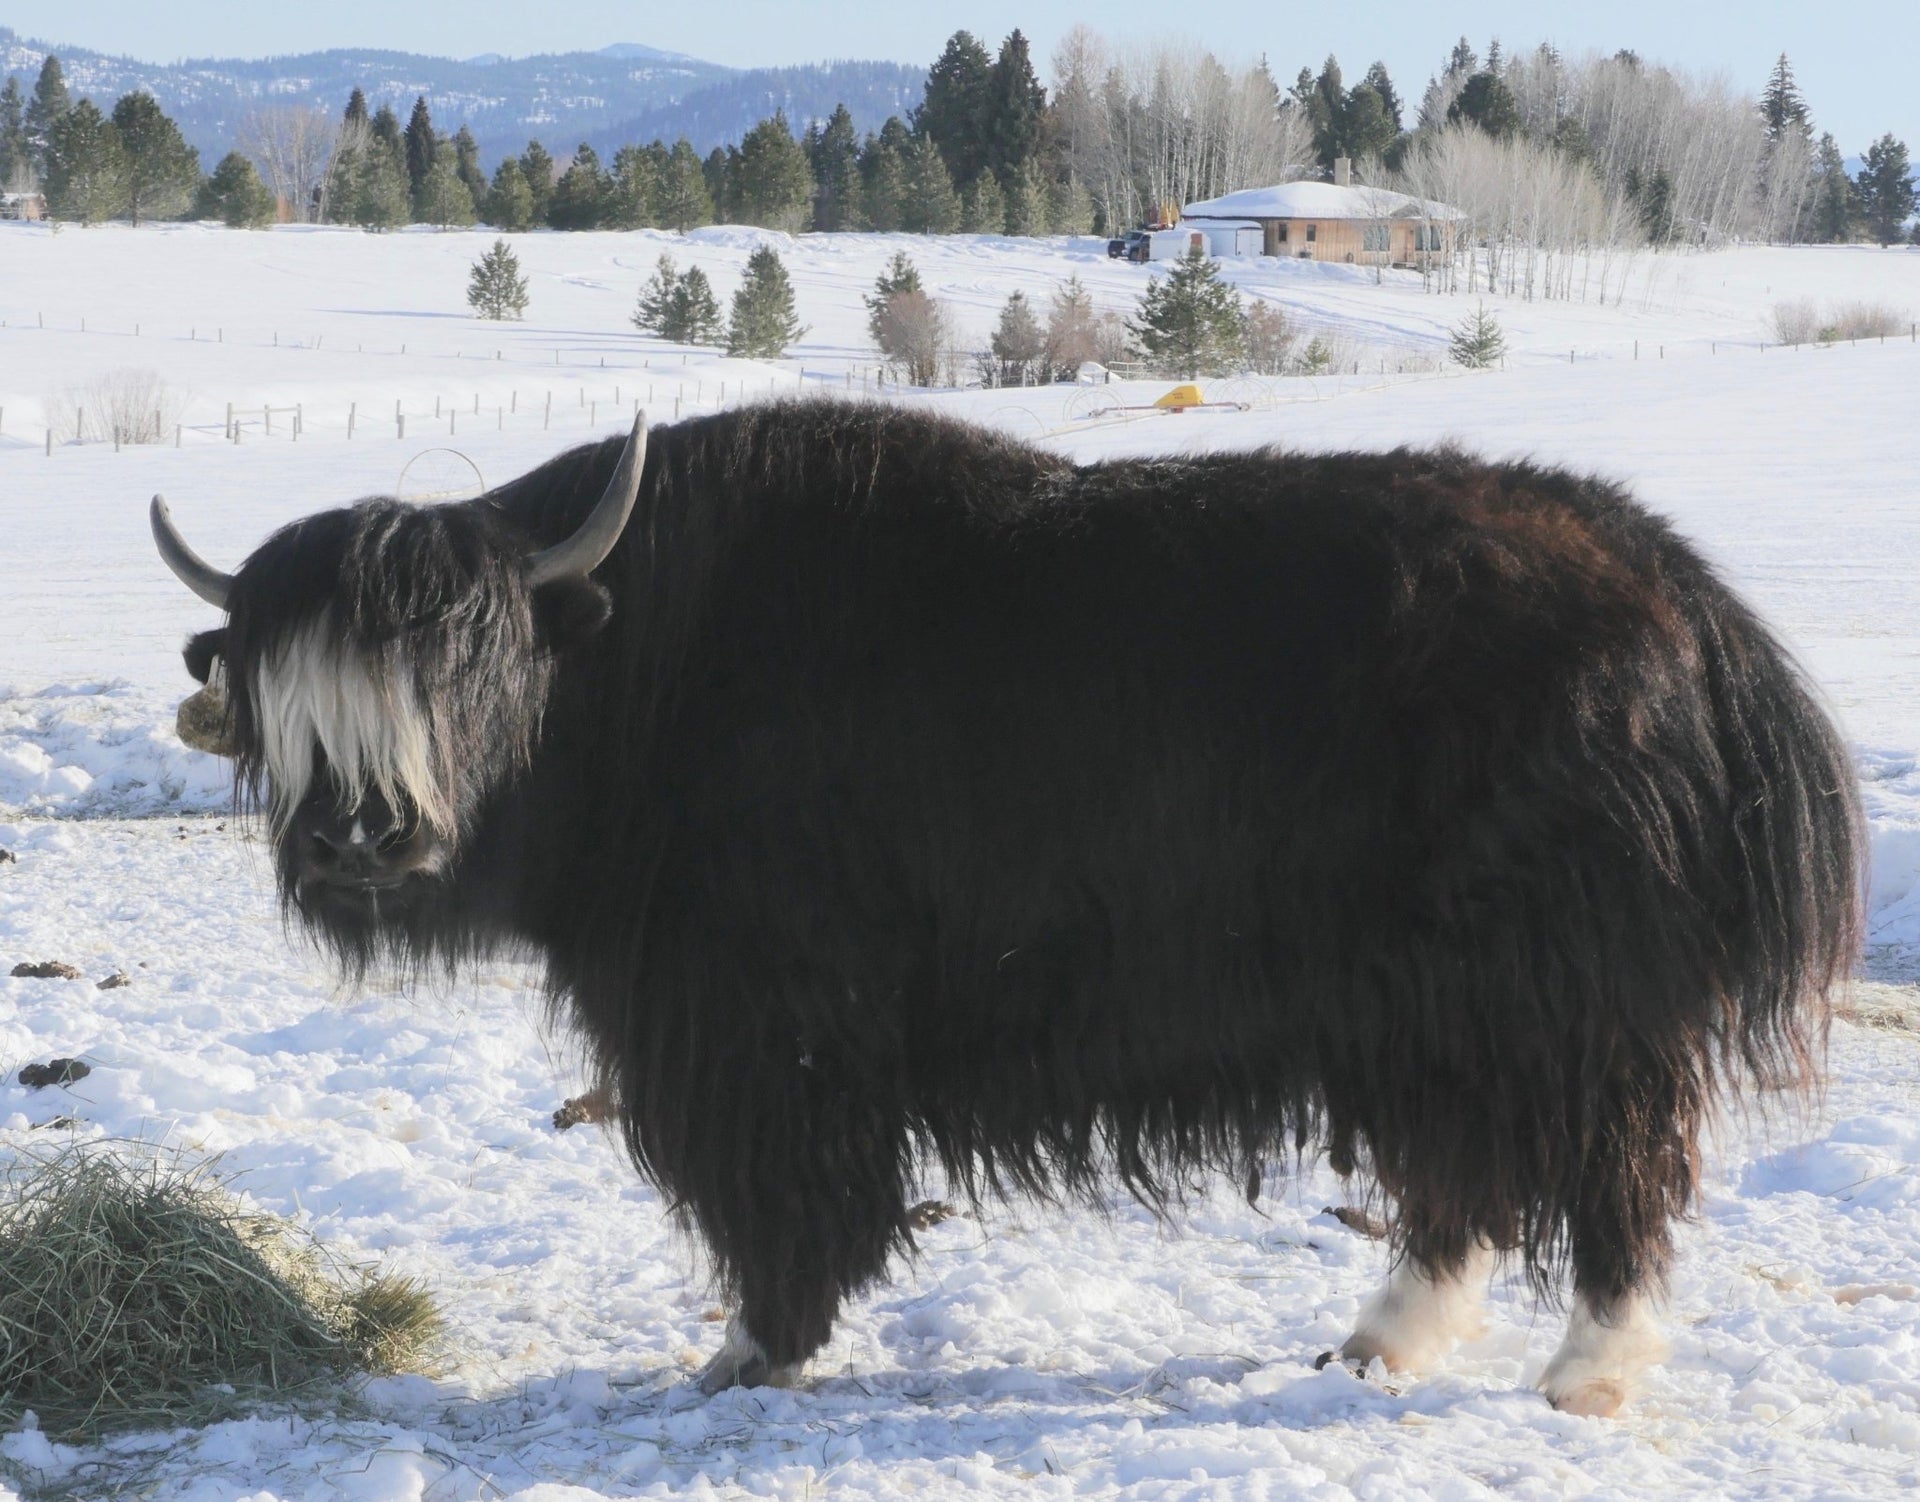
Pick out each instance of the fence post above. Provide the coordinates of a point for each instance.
(299, 418)
(177, 427)
(436, 408)
(267, 415)
(593, 410)
(49, 443)
(514, 398)
(400, 423)
(353, 409)
(229, 422)
(451, 415)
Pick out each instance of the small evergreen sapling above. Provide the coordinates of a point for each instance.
(1190, 322)
(1019, 346)
(497, 289)
(763, 325)
(679, 306)
(1478, 342)
(235, 195)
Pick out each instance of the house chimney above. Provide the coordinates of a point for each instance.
(1343, 172)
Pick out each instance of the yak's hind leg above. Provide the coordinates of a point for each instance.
(1428, 1303)
(1631, 1186)
(1607, 1345)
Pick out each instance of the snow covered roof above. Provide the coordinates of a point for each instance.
(1305, 200)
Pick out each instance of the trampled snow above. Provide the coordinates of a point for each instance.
(1067, 1354)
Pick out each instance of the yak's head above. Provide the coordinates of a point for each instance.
(385, 668)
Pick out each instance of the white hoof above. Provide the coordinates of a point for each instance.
(1593, 1372)
(1415, 1320)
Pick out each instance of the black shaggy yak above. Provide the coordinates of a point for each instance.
(879, 790)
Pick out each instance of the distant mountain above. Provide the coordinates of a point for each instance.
(626, 92)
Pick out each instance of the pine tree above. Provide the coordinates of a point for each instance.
(444, 198)
(1885, 189)
(983, 207)
(420, 148)
(772, 183)
(678, 306)
(930, 206)
(1780, 103)
(1835, 204)
(696, 316)
(496, 289)
(1015, 106)
(356, 111)
(1478, 342)
(1487, 102)
(235, 195)
(1381, 84)
(580, 197)
(650, 314)
(1073, 330)
(49, 105)
(900, 276)
(161, 171)
(834, 155)
(466, 163)
(684, 201)
(763, 325)
(1029, 200)
(382, 200)
(385, 130)
(509, 200)
(537, 168)
(1323, 103)
(1019, 345)
(16, 154)
(955, 109)
(717, 172)
(883, 177)
(86, 170)
(633, 190)
(1190, 321)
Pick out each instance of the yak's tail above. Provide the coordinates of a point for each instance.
(1789, 912)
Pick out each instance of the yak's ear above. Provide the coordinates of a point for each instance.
(202, 648)
(568, 612)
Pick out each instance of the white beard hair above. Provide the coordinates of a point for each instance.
(368, 723)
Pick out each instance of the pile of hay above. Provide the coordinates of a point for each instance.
(135, 1291)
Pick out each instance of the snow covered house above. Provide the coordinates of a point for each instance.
(1336, 221)
(23, 206)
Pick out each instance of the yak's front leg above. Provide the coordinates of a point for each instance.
(802, 1199)
(1424, 1307)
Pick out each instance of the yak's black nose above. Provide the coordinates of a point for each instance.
(368, 846)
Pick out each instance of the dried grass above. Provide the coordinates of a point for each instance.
(117, 406)
(136, 1291)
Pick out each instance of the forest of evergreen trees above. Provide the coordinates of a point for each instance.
(1545, 155)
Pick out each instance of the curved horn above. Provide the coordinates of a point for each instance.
(188, 566)
(583, 552)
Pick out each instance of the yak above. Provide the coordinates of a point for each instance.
(880, 792)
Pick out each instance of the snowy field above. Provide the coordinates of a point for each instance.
(1024, 1353)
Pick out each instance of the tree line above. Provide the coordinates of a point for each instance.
(1538, 149)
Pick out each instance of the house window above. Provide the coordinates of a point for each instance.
(1313, 233)
(1426, 237)
(1375, 237)
(1283, 234)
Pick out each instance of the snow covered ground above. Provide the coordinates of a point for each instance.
(1066, 1355)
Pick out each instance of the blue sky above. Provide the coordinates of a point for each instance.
(1855, 59)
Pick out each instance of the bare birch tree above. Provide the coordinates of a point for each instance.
(293, 146)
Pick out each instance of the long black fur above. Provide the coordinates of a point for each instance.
(927, 794)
